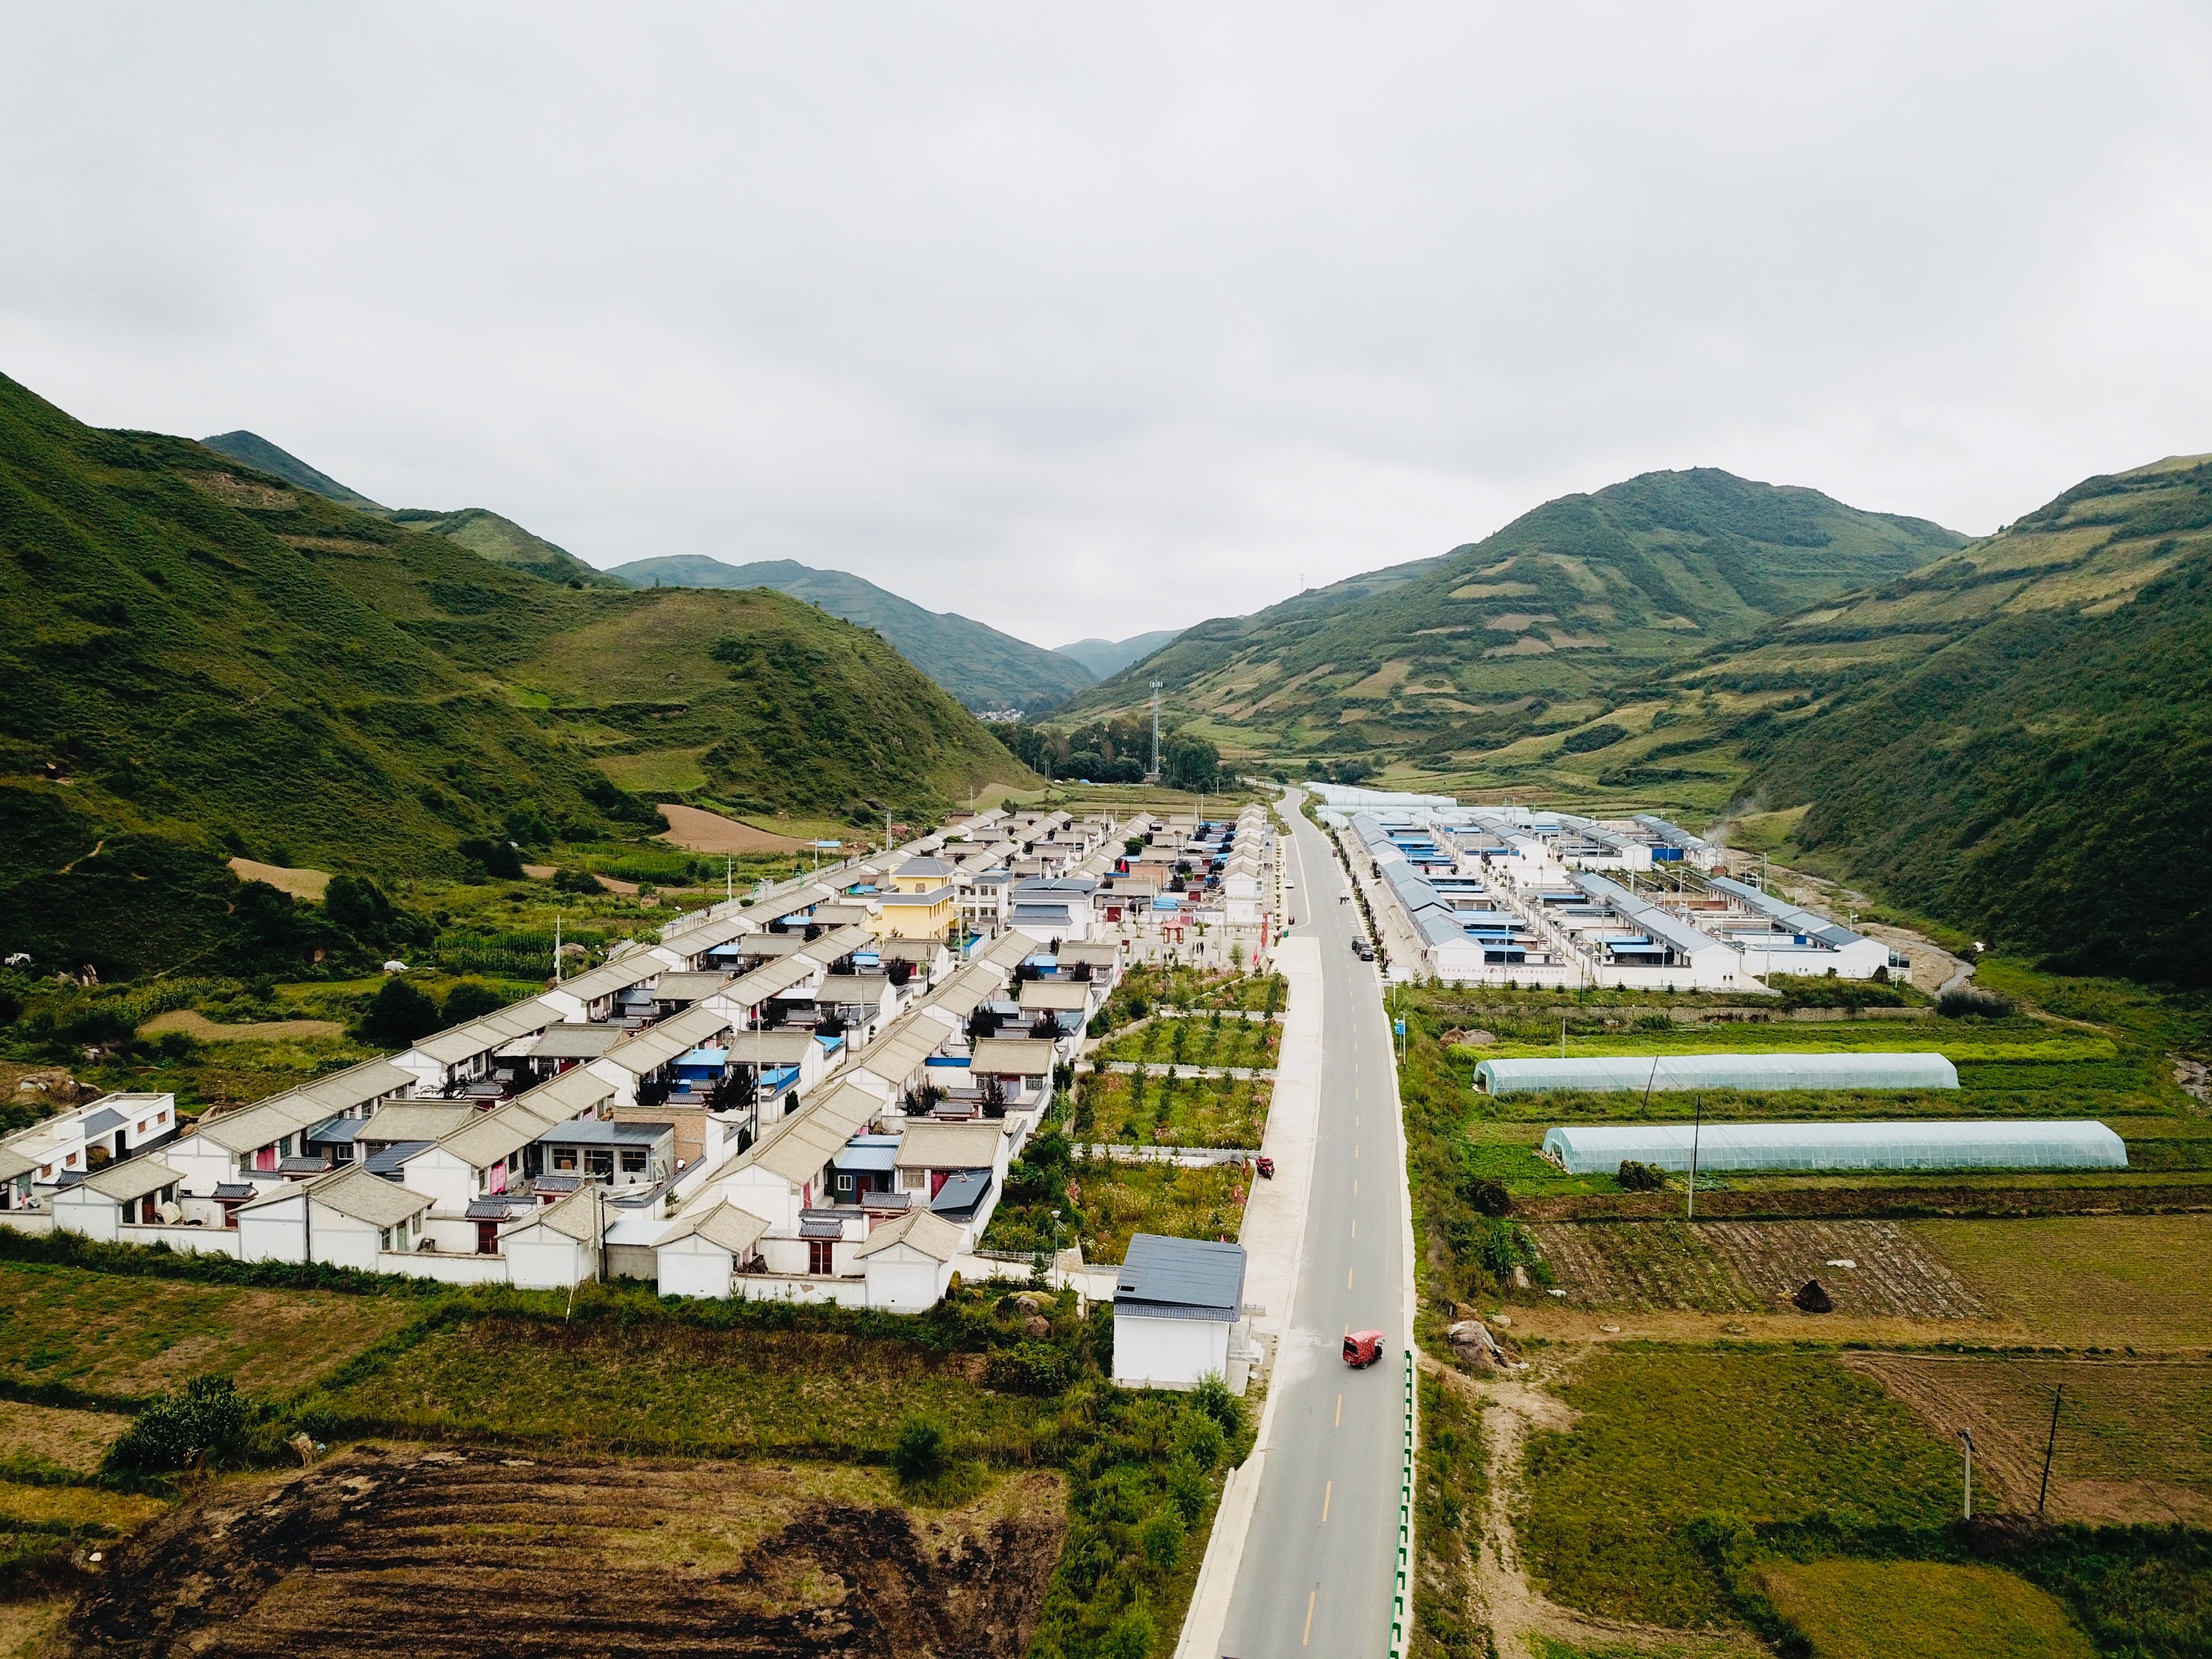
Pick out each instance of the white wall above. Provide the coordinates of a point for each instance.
(80, 1210)
(798, 1287)
(274, 1232)
(447, 1269)
(203, 1240)
(539, 1259)
(694, 1267)
(447, 1180)
(343, 1242)
(1168, 1353)
(27, 1221)
(902, 1280)
(201, 1163)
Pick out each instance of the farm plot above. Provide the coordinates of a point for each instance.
(2134, 1438)
(1130, 1109)
(2074, 1281)
(404, 1551)
(1113, 1200)
(1872, 1609)
(46, 1439)
(112, 1334)
(671, 1389)
(1752, 1266)
(1199, 1040)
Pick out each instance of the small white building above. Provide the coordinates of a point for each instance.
(347, 1218)
(907, 1262)
(698, 1255)
(139, 1191)
(1176, 1302)
(560, 1245)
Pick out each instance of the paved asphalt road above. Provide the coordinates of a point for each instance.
(1317, 1568)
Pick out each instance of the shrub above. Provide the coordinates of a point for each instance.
(496, 859)
(1188, 1489)
(1592, 737)
(470, 999)
(1213, 1397)
(574, 881)
(1636, 1177)
(398, 1014)
(1027, 1368)
(1200, 1439)
(205, 1417)
(1972, 1002)
(1161, 1539)
(919, 1453)
(1485, 1195)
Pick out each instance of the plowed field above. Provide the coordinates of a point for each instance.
(418, 1554)
(1752, 1266)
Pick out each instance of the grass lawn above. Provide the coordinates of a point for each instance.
(46, 1438)
(1670, 1434)
(1128, 1110)
(1113, 1200)
(1877, 1609)
(673, 1389)
(1204, 1040)
(107, 1333)
(2105, 1281)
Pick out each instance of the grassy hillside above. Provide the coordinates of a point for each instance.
(1527, 631)
(502, 541)
(258, 452)
(2019, 738)
(976, 663)
(210, 662)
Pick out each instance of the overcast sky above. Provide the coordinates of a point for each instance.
(1097, 319)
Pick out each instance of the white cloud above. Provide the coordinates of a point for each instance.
(1092, 322)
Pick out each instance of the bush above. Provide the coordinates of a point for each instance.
(1161, 1539)
(575, 881)
(1027, 1368)
(1485, 1195)
(919, 1453)
(1213, 1397)
(398, 1014)
(1592, 737)
(1636, 1177)
(497, 859)
(1972, 1002)
(470, 999)
(204, 1419)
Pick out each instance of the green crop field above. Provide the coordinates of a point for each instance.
(105, 1333)
(1132, 1108)
(1113, 1200)
(1668, 1434)
(1879, 1609)
(2111, 1280)
(1200, 1040)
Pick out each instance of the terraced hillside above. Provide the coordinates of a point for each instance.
(1525, 631)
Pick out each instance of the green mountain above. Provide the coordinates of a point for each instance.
(258, 452)
(1105, 657)
(203, 659)
(1525, 631)
(2018, 738)
(976, 663)
(480, 530)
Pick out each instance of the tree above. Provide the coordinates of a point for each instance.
(496, 859)
(919, 1452)
(398, 1014)
(470, 999)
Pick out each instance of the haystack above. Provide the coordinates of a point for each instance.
(1812, 1297)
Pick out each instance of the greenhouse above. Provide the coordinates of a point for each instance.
(1831, 1071)
(1997, 1145)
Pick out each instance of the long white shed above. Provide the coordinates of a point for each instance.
(1600, 1073)
(1999, 1144)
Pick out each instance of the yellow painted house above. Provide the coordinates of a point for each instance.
(921, 902)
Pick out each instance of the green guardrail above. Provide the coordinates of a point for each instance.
(1401, 1593)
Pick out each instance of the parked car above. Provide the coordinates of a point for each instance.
(1362, 1348)
(1363, 950)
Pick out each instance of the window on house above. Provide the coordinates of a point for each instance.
(384, 1240)
(598, 1160)
(820, 1257)
(68, 1160)
(564, 1157)
(844, 1183)
(632, 1160)
(161, 1117)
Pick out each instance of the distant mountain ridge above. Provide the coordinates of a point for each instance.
(258, 452)
(1490, 641)
(1105, 657)
(982, 666)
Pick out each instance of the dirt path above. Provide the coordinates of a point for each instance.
(1521, 1616)
(194, 1023)
(302, 884)
(703, 831)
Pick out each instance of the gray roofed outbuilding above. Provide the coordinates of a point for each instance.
(1180, 1279)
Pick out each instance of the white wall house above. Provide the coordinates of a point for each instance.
(907, 1262)
(697, 1255)
(1175, 1302)
(347, 1218)
(140, 1190)
(558, 1246)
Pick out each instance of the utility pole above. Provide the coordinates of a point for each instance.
(1966, 1440)
(729, 877)
(556, 947)
(1697, 1127)
(2050, 1446)
(1153, 776)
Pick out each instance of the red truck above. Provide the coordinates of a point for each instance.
(1362, 1348)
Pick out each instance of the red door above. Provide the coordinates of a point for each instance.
(486, 1238)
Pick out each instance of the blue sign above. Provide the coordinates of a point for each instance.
(1399, 1026)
